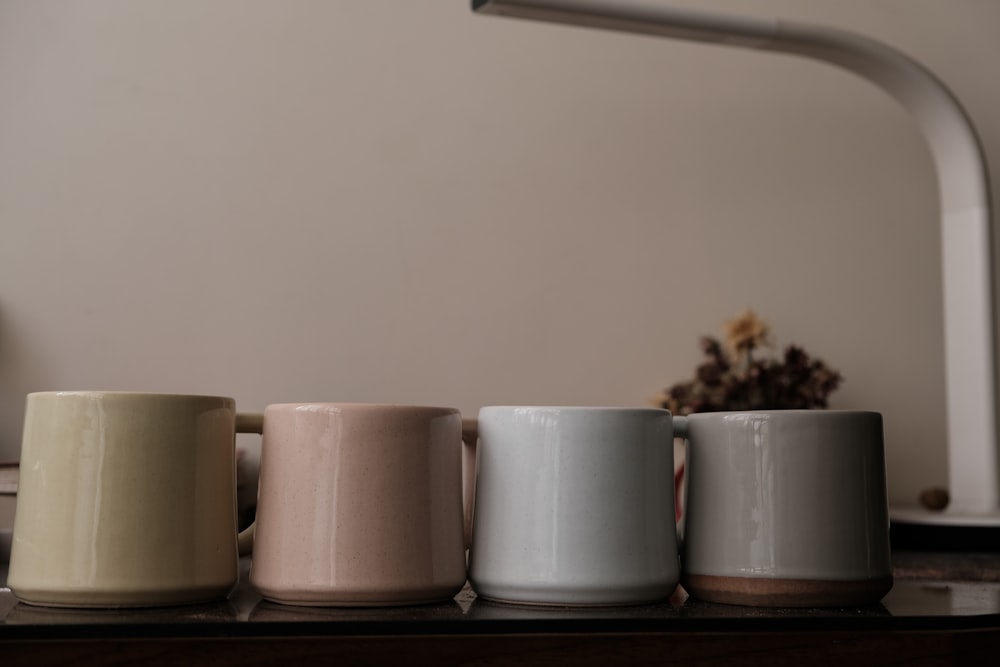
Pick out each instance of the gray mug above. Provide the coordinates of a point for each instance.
(785, 508)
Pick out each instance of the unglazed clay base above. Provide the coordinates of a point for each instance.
(764, 592)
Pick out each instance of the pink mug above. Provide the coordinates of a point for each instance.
(359, 505)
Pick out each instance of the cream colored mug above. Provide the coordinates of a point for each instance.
(785, 508)
(126, 499)
(359, 505)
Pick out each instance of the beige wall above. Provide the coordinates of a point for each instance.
(403, 202)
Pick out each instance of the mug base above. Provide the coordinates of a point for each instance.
(767, 592)
(358, 597)
(356, 604)
(575, 596)
(565, 605)
(83, 599)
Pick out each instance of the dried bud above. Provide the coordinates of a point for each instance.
(746, 382)
(746, 332)
(935, 498)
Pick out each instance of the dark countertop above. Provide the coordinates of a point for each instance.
(953, 595)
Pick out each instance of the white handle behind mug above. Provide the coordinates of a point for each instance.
(680, 426)
(680, 431)
(470, 440)
(249, 422)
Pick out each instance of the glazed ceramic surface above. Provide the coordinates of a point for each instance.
(574, 506)
(359, 505)
(125, 499)
(796, 495)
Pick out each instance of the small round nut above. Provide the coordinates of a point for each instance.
(934, 498)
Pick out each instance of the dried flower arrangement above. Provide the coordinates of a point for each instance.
(745, 374)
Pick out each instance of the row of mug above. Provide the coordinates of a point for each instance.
(128, 499)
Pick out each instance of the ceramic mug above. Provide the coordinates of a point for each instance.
(574, 506)
(126, 499)
(785, 508)
(359, 505)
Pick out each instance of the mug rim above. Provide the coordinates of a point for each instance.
(95, 393)
(769, 413)
(335, 406)
(575, 407)
(578, 408)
